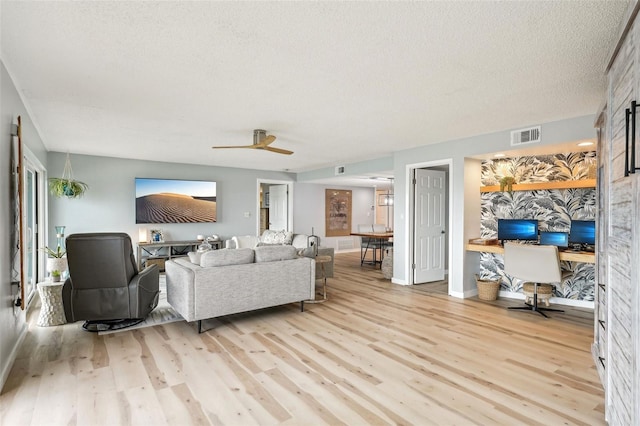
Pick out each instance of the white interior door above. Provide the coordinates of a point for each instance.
(430, 223)
(278, 207)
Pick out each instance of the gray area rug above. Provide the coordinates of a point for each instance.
(162, 314)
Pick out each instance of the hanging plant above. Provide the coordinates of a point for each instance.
(66, 186)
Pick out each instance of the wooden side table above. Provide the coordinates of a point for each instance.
(52, 310)
(321, 260)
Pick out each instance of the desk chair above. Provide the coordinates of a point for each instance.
(538, 264)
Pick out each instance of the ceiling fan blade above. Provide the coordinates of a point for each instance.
(267, 141)
(278, 150)
(236, 146)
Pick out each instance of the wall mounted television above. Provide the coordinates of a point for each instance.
(518, 229)
(175, 201)
(582, 232)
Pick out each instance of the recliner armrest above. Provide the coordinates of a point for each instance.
(144, 291)
(148, 278)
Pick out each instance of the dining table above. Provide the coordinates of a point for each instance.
(375, 240)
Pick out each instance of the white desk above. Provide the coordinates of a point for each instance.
(570, 256)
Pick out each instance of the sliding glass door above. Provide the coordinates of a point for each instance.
(33, 219)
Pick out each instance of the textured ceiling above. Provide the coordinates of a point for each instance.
(336, 82)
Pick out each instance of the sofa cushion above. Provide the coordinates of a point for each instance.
(276, 237)
(275, 253)
(307, 252)
(224, 257)
(245, 241)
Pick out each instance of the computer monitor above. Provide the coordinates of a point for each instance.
(518, 229)
(583, 232)
(559, 239)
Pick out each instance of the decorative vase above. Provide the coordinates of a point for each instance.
(60, 236)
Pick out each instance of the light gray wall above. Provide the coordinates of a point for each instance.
(109, 204)
(13, 326)
(309, 210)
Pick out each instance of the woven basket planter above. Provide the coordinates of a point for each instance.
(545, 292)
(487, 289)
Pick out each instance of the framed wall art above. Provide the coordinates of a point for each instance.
(337, 204)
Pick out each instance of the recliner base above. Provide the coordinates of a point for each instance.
(104, 325)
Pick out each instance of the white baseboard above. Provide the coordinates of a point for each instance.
(12, 356)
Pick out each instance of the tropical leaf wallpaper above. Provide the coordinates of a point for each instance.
(554, 210)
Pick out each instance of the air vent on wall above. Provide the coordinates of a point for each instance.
(339, 170)
(524, 136)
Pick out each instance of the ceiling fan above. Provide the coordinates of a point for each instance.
(260, 141)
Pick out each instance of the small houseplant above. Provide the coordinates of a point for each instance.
(507, 182)
(56, 262)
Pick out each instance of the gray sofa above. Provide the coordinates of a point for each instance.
(224, 282)
(299, 241)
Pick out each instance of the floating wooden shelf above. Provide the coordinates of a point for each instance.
(565, 184)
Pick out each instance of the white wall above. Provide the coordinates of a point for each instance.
(13, 326)
(473, 207)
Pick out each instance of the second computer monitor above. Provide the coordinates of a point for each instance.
(560, 239)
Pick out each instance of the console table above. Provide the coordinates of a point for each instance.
(166, 250)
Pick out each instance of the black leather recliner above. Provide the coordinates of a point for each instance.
(104, 283)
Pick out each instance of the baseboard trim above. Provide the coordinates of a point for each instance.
(13, 356)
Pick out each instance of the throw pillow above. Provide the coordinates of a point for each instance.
(224, 257)
(300, 241)
(194, 257)
(275, 253)
(276, 237)
(246, 241)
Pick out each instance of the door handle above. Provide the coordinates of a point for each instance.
(442, 232)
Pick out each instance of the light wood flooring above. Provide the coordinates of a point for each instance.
(375, 353)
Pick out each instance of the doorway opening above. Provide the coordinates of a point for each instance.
(429, 242)
(274, 205)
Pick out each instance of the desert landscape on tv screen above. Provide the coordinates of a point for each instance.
(175, 201)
